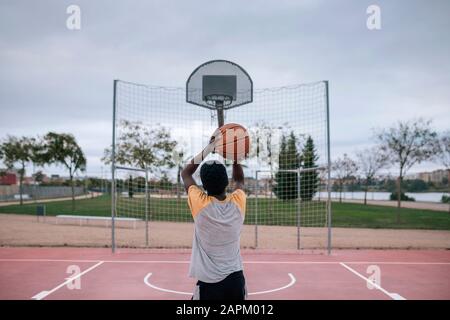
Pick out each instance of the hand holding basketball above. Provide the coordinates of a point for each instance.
(211, 144)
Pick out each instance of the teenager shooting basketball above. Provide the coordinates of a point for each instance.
(216, 259)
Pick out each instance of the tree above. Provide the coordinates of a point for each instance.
(443, 155)
(164, 182)
(406, 144)
(135, 184)
(288, 159)
(262, 136)
(130, 187)
(309, 180)
(370, 161)
(39, 176)
(323, 182)
(343, 169)
(142, 147)
(417, 185)
(18, 151)
(179, 158)
(63, 149)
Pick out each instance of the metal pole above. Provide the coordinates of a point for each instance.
(220, 116)
(298, 208)
(113, 181)
(34, 184)
(146, 208)
(86, 186)
(448, 182)
(101, 180)
(256, 211)
(329, 168)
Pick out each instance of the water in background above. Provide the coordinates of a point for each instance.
(424, 197)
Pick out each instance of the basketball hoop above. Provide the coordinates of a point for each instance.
(219, 85)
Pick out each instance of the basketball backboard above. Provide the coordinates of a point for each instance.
(219, 84)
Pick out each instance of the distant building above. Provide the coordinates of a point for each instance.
(435, 176)
(11, 177)
(56, 178)
(412, 176)
(438, 175)
(28, 180)
(8, 178)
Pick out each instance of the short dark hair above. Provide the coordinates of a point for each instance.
(214, 177)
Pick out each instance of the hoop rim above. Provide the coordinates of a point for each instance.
(213, 98)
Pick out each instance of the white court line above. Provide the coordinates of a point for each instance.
(394, 296)
(47, 260)
(398, 263)
(246, 262)
(147, 282)
(41, 295)
(162, 289)
(92, 261)
(293, 280)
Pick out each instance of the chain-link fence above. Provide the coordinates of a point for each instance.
(156, 132)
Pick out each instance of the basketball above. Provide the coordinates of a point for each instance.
(233, 142)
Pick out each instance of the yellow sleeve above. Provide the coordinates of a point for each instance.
(197, 199)
(240, 199)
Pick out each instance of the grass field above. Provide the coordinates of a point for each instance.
(271, 212)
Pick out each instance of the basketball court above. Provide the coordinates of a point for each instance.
(286, 156)
(82, 273)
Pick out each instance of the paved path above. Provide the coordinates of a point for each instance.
(26, 230)
(405, 204)
(91, 194)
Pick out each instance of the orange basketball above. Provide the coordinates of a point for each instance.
(233, 142)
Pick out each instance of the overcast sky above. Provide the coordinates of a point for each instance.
(53, 78)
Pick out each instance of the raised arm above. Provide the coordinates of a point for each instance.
(238, 176)
(191, 167)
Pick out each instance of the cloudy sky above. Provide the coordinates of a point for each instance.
(53, 78)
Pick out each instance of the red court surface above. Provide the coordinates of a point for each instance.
(82, 273)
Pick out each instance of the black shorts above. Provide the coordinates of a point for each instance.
(230, 288)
